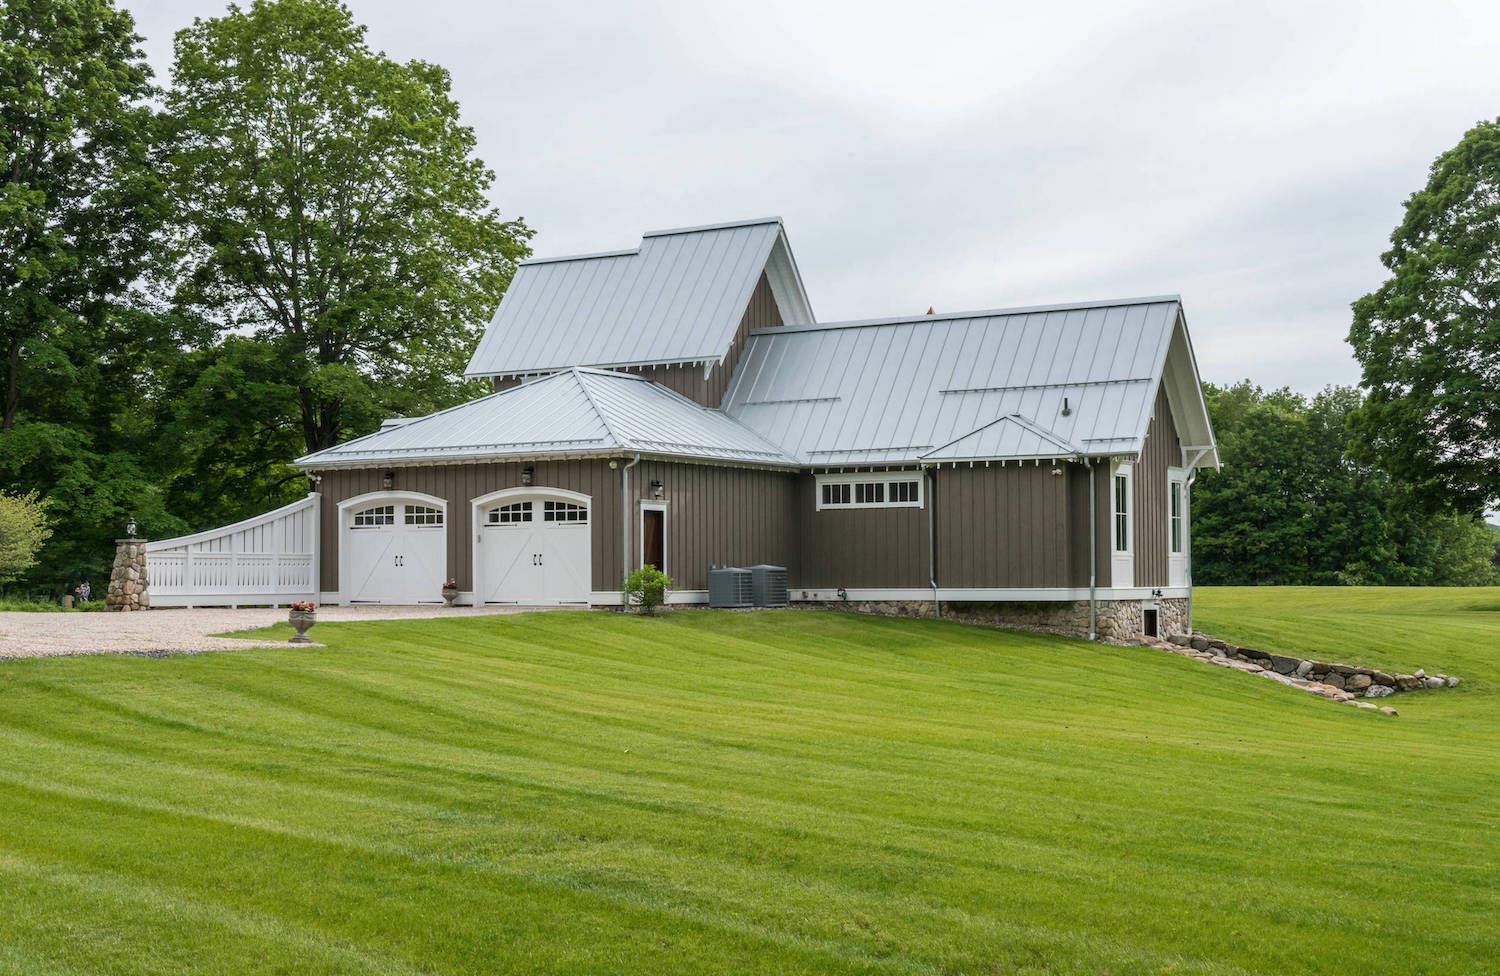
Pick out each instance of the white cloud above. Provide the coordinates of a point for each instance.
(1252, 157)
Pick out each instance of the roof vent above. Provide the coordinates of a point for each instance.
(1067, 411)
(393, 422)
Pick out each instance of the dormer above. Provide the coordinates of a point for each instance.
(677, 309)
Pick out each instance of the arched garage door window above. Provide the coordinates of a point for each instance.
(532, 547)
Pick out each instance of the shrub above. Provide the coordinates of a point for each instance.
(646, 588)
(23, 529)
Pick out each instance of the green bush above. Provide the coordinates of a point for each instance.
(23, 530)
(646, 589)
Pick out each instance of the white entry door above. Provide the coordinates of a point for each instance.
(394, 552)
(533, 550)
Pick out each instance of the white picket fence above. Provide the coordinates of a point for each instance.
(271, 558)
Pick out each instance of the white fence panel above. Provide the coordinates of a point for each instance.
(271, 558)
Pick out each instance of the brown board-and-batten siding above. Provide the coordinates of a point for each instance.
(717, 516)
(1162, 450)
(739, 516)
(884, 548)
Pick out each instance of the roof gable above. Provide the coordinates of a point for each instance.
(677, 298)
(1046, 381)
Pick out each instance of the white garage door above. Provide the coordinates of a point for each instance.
(394, 552)
(533, 550)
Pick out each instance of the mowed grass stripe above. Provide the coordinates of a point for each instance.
(803, 792)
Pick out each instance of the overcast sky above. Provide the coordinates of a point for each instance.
(1252, 157)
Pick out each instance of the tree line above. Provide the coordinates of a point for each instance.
(287, 241)
(290, 238)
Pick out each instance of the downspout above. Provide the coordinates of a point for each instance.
(937, 606)
(1094, 554)
(625, 523)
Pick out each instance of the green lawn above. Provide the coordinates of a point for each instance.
(774, 792)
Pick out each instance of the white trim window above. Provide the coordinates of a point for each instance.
(564, 512)
(1122, 525)
(374, 517)
(1122, 511)
(513, 514)
(423, 515)
(1177, 527)
(885, 489)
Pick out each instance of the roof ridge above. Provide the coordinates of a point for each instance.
(578, 373)
(983, 313)
(1016, 418)
(700, 228)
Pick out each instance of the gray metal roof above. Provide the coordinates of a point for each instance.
(575, 411)
(967, 386)
(678, 298)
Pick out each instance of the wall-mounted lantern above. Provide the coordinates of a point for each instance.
(657, 491)
(388, 480)
(526, 474)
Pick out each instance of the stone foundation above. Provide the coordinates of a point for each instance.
(129, 587)
(1117, 619)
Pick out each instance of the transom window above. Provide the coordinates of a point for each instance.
(512, 514)
(564, 512)
(897, 489)
(1122, 513)
(376, 515)
(422, 515)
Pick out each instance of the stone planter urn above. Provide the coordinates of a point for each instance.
(302, 620)
(450, 593)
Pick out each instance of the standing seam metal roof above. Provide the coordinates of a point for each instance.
(969, 386)
(678, 298)
(577, 411)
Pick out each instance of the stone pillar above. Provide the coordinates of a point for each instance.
(129, 588)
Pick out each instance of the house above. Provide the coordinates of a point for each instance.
(678, 404)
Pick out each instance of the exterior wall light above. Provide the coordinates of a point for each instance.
(657, 491)
(130, 527)
(526, 474)
(388, 480)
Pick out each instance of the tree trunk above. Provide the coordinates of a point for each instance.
(12, 384)
(320, 426)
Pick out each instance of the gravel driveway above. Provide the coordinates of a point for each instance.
(177, 631)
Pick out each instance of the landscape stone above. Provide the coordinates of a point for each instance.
(1303, 667)
(1452, 681)
(1381, 678)
(1434, 682)
(1419, 673)
(1357, 682)
(1388, 710)
(1379, 691)
(1335, 680)
(1283, 664)
(1408, 682)
(1199, 643)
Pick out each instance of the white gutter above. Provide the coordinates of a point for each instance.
(1094, 554)
(937, 606)
(625, 521)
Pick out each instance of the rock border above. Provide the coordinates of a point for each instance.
(1348, 683)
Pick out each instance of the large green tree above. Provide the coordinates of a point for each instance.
(1295, 505)
(328, 202)
(76, 193)
(1428, 339)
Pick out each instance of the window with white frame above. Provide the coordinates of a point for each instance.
(896, 489)
(376, 515)
(1122, 513)
(564, 512)
(422, 515)
(513, 514)
(1175, 514)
